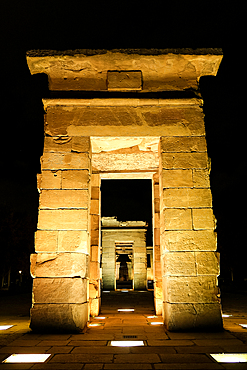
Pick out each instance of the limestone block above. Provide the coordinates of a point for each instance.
(184, 160)
(75, 179)
(73, 241)
(57, 144)
(187, 317)
(177, 178)
(192, 198)
(59, 265)
(95, 192)
(95, 179)
(156, 205)
(157, 236)
(203, 218)
(177, 219)
(124, 80)
(59, 290)
(157, 220)
(59, 317)
(156, 188)
(158, 305)
(95, 253)
(50, 199)
(94, 289)
(51, 179)
(57, 161)
(202, 240)
(179, 264)
(95, 305)
(46, 241)
(63, 219)
(183, 144)
(81, 144)
(94, 209)
(201, 178)
(94, 270)
(157, 268)
(207, 263)
(190, 289)
(95, 222)
(94, 237)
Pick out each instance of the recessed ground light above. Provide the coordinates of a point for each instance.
(126, 309)
(23, 358)
(5, 327)
(95, 324)
(127, 343)
(243, 325)
(152, 317)
(124, 291)
(226, 315)
(99, 317)
(230, 357)
(156, 323)
(106, 291)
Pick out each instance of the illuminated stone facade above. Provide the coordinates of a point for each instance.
(143, 134)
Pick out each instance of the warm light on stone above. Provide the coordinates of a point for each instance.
(230, 357)
(127, 343)
(5, 327)
(90, 139)
(26, 358)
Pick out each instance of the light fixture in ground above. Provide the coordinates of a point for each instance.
(124, 291)
(126, 309)
(243, 325)
(224, 315)
(106, 291)
(26, 358)
(156, 323)
(5, 327)
(127, 343)
(230, 357)
(100, 317)
(95, 324)
(152, 317)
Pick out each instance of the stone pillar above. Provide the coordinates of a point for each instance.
(60, 265)
(108, 260)
(140, 260)
(158, 297)
(190, 263)
(94, 285)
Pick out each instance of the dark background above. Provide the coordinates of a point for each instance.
(64, 25)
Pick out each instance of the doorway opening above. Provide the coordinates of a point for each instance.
(124, 266)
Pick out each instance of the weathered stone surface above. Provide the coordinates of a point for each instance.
(94, 209)
(184, 160)
(75, 179)
(192, 316)
(73, 241)
(51, 179)
(207, 263)
(60, 290)
(202, 240)
(183, 144)
(57, 161)
(59, 265)
(190, 289)
(63, 219)
(201, 178)
(57, 144)
(94, 270)
(183, 198)
(124, 80)
(55, 199)
(81, 144)
(95, 253)
(177, 219)
(95, 305)
(177, 178)
(179, 264)
(203, 218)
(46, 241)
(59, 317)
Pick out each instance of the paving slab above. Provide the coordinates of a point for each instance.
(188, 366)
(149, 358)
(172, 343)
(82, 358)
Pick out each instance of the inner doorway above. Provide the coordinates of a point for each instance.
(124, 266)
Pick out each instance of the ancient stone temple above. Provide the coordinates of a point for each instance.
(124, 114)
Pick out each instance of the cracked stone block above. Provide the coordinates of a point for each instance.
(57, 161)
(75, 179)
(178, 144)
(59, 317)
(59, 290)
(124, 80)
(207, 263)
(50, 179)
(184, 160)
(59, 265)
(73, 241)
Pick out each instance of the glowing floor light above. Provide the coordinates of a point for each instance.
(126, 309)
(152, 317)
(95, 324)
(5, 327)
(243, 325)
(156, 323)
(23, 358)
(124, 291)
(224, 315)
(230, 357)
(100, 317)
(127, 343)
(106, 291)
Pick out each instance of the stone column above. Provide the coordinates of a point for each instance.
(158, 297)
(190, 263)
(140, 260)
(108, 260)
(94, 285)
(60, 265)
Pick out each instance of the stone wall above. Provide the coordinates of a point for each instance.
(60, 265)
(190, 263)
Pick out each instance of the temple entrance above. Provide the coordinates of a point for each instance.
(124, 266)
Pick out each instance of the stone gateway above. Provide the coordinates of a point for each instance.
(124, 114)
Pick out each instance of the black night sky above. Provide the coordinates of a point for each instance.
(61, 25)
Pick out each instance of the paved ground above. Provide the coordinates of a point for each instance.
(91, 349)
